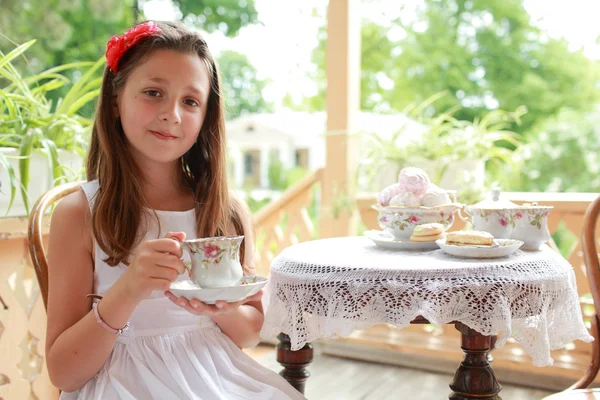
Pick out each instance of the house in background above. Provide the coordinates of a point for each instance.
(294, 138)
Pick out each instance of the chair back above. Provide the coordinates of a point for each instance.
(592, 265)
(35, 238)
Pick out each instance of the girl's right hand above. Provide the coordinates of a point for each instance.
(156, 263)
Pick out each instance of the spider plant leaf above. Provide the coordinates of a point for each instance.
(51, 153)
(5, 59)
(11, 179)
(64, 67)
(48, 86)
(10, 105)
(83, 101)
(25, 151)
(76, 90)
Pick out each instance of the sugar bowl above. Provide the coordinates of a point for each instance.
(507, 220)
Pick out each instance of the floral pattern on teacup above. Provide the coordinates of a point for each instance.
(212, 253)
(403, 220)
(399, 220)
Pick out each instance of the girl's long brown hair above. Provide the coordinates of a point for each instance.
(118, 206)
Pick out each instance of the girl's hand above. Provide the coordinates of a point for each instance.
(156, 263)
(197, 307)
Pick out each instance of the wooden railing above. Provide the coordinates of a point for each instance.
(23, 373)
(286, 221)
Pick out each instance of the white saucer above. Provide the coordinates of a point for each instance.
(387, 241)
(504, 248)
(247, 286)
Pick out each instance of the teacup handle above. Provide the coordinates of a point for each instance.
(187, 266)
(467, 219)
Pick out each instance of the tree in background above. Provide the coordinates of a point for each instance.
(242, 88)
(567, 146)
(77, 30)
(486, 53)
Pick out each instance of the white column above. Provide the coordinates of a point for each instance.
(264, 167)
(285, 155)
(238, 167)
(342, 105)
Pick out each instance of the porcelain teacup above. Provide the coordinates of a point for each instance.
(215, 261)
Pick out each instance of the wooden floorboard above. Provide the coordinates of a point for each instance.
(336, 378)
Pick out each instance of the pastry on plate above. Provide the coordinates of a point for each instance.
(427, 232)
(469, 238)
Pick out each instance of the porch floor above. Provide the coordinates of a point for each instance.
(335, 378)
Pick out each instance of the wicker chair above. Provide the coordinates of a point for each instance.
(34, 233)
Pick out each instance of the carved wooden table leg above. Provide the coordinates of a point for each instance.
(294, 362)
(474, 378)
(490, 357)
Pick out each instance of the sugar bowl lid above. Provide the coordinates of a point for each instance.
(494, 202)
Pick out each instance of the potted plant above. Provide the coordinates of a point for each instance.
(453, 152)
(42, 142)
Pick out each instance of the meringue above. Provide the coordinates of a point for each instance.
(405, 199)
(414, 180)
(435, 196)
(386, 194)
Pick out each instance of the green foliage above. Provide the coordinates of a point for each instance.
(276, 173)
(444, 141)
(77, 30)
(486, 53)
(562, 155)
(29, 120)
(242, 88)
(254, 204)
(66, 31)
(227, 16)
(281, 178)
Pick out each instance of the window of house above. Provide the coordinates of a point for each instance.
(248, 164)
(301, 158)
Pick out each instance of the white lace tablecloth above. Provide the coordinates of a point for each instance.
(330, 287)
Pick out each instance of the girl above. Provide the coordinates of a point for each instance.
(156, 164)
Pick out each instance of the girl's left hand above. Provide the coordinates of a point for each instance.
(197, 307)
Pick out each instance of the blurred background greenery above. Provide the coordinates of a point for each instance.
(485, 56)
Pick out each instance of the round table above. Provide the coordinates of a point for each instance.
(330, 287)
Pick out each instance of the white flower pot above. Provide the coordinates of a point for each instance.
(40, 179)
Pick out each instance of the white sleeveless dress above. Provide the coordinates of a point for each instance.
(169, 353)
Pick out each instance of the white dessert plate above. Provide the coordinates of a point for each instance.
(503, 248)
(247, 286)
(387, 241)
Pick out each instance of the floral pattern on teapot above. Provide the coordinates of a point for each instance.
(503, 218)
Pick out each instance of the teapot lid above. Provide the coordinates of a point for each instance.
(494, 202)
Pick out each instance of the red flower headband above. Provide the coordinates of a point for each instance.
(118, 45)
